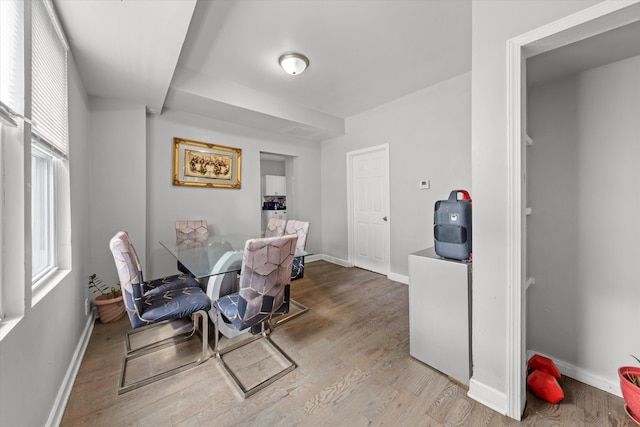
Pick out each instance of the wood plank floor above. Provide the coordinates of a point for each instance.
(354, 369)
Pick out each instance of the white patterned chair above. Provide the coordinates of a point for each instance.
(300, 229)
(275, 227)
(191, 233)
(169, 299)
(265, 280)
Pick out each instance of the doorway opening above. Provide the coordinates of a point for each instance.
(277, 187)
(595, 21)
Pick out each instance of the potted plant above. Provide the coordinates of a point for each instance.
(630, 386)
(109, 303)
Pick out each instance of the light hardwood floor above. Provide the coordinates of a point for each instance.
(354, 369)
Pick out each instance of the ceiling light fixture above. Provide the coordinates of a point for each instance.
(293, 63)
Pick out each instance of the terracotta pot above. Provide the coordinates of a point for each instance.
(630, 391)
(109, 309)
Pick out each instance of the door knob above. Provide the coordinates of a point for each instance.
(384, 218)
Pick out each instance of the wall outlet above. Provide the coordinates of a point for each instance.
(424, 184)
(87, 306)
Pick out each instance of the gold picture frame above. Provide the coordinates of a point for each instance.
(199, 164)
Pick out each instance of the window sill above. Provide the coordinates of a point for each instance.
(43, 286)
(7, 325)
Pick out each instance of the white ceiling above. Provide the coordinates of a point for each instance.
(126, 49)
(219, 58)
(605, 48)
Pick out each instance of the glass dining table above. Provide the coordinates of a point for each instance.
(209, 256)
(215, 262)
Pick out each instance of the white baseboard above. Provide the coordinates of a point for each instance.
(391, 276)
(610, 385)
(488, 396)
(337, 261)
(57, 411)
(312, 258)
(398, 278)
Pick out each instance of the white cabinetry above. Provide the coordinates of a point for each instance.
(273, 185)
(267, 215)
(439, 314)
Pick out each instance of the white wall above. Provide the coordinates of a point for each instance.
(228, 211)
(38, 355)
(493, 23)
(272, 167)
(582, 310)
(428, 133)
(118, 181)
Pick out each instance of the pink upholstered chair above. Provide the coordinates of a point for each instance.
(191, 233)
(265, 279)
(192, 229)
(301, 229)
(170, 299)
(275, 227)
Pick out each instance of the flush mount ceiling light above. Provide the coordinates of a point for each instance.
(293, 63)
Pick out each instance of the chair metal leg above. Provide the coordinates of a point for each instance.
(246, 392)
(279, 320)
(178, 330)
(199, 316)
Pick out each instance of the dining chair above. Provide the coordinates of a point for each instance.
(160, 285)
(301, 229)
(190, 232)
(265, 279)
(191, 229)
(275, 227)
(170, 300)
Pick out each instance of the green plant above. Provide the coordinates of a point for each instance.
(634, 379)
(108, 291)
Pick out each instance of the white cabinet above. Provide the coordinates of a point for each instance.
(439, 314)
(266, 215)
(273, 185)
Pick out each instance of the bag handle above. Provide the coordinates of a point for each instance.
(453, 196)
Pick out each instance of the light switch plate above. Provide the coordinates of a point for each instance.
(424, 184)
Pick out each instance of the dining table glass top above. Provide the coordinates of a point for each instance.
(215, 254)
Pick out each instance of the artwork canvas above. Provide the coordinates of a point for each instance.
(207, 165)
(201, 164)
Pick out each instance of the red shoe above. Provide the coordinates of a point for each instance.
(543, 364)
(545, 386)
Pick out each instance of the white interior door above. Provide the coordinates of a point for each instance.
(368, 196)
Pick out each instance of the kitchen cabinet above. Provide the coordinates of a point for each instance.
(274, 185)
(267, 215)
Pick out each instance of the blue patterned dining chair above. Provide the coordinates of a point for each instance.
(300, 229)
(265, 280)
(168, 299)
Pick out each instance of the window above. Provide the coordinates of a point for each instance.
(49, 146)
(49, 79)
(42, 214)
(11, 107)
(11, 29)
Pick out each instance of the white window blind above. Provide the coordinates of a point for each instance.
(49, 79)
(11, 60)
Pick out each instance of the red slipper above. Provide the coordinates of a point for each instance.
(545, 386)
(543, 364)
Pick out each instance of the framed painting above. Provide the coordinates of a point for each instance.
(199, 164)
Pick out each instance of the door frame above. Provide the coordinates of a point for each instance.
(589, 22)
(350, 214)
